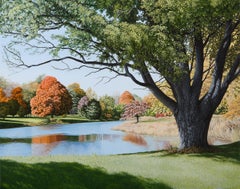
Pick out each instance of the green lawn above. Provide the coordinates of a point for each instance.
(11, 122)
(145, 170)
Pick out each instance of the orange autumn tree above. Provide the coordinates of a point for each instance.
(3, 97)
(126, 98)
(17, 94)
(52, 98)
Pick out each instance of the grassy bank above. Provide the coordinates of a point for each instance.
(11, 122)
(220, 128)
(145, 170)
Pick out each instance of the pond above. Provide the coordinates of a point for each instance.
(77, 139)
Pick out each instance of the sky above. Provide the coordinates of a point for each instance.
(114, 87)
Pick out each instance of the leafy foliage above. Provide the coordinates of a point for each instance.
(234, 109)
(17, 94)
(90, 109)
(126, 98)
(91, 94)
(7, 85)
(134, 109)
(155, 106)
(93, 110)
(222, 108)
(52, 98)
(13, 107)
(110, 110)
(76, 93)
(232, 100)
(29, 90)
(118, 111)
(4, 109)
(3, 97)
(82, 104)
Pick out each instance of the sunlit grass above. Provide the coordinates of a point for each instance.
(11, 122)
(19, 122)
(220, 169)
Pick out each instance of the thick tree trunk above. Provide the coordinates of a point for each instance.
(193, 129)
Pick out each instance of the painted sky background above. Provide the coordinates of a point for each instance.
(94, 81)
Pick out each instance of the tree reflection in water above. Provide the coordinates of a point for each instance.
(136, 139)
(47, 142)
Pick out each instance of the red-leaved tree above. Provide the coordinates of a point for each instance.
(52, 98)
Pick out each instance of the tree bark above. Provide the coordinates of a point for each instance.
(193, 129)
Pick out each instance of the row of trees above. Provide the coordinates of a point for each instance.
(14, 104)
(47, 96)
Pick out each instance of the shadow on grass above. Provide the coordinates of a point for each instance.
(227, 152)
(6, 124)
(74, 121)
(67, 175)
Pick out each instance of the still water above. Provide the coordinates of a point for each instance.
(76, 139)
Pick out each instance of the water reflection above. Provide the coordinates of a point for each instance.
(50, 144)
(43, 145)
(48, 139)
(136, 139)
(97, 137)
(76, 139)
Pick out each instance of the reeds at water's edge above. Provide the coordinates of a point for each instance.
(221, 128)
(225, 129)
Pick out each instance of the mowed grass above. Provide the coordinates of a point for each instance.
(11, 122)
(155, 170)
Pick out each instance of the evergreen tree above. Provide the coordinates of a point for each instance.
(93, 110)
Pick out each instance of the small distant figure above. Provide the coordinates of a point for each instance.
(137, 116)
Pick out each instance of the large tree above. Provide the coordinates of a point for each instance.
(155, 39)
(52, 98)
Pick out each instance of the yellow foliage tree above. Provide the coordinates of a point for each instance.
(233, 108)
(156, 107)
(233, 100)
